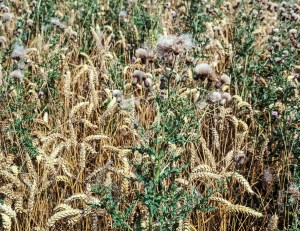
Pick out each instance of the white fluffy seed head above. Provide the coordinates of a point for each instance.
(116, 93)
(148, 83)
(293, 32)
(226, 96)
(215, 97)
(17, 74)
(3, 40)
(7, 17)
(203, 69)
(18, 52)
(123, 15)
(138, 74)
(225, 79)
(30, 22)
(141, 53)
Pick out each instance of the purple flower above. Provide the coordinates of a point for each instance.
(40, 95)
(274, 113)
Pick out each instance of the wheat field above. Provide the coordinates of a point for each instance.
(149, 115)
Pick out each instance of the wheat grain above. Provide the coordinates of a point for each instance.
(95, 137)
(7, 210)
(202, 168)
(207, 175)
(10, 177)
(216, 137)
(220, 200)
(88, 124)
(61, 178)
(57, 150)
(52, 137)
(29, 166)
(32, 194)
(62, 215)
(82, 157)
(207, 153)
(62, 207)
(229, 158)
(76, 108)
(90, 148)
(244, 210)
(273, 223)
(6, 222)
(93, 93)
(99, 171)
(239, 178)
(81, 196)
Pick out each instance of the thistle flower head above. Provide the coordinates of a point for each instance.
(17, 74)
(137, 77)
(225, 79)
(30, 22)
(293, 32)
(215, 97)
(239, 158)
(267, 176)
(123, 15)
(18, 52)
(203, 70)
(172, 43)
(3, 40)
(148, 83)
(226, 96)
(59, 25)
(117, 94)
(142, 54)
(7, 17)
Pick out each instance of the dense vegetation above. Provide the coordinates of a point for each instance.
(149, 115)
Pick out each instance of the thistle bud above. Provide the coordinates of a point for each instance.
(117, 94)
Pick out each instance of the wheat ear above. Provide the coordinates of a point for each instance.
(244, 210)
(6, 222)
(62, 215)
(239, 178)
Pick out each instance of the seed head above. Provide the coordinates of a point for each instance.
(148, 83)
(174, 44)
(225, 79)
(123, 15)
(202, 71)
(117, 94)
(59, 25)
(137, 77)
(215, 97)
(17, 74)
(3, 40)
(142, 54)
(267, 176)
(18, 52)
(293, 33)
(226, 96)
(7, 17)
(30, 22)
(239, 158)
